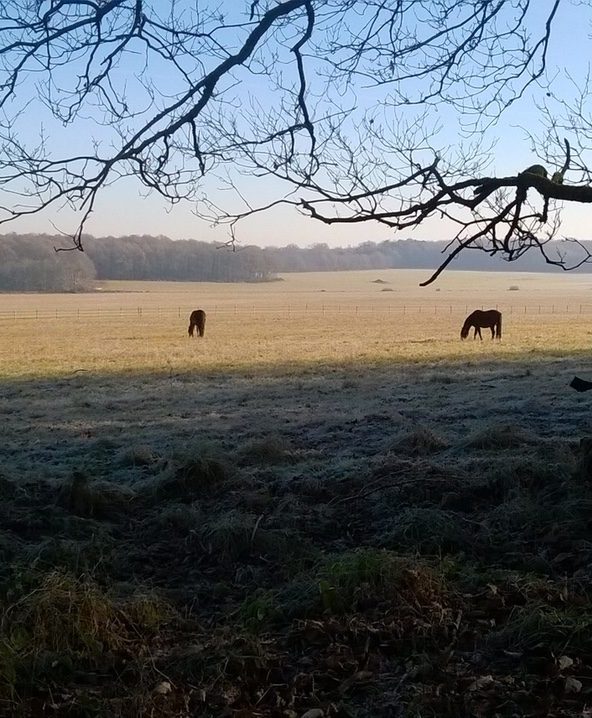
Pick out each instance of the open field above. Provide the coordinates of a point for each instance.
(305, 320)
(346, 509)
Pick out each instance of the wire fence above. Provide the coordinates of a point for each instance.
(85, 313)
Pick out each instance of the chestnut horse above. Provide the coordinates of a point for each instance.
(490, 319)
(197, 319)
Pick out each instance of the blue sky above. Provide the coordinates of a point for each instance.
(125, 209)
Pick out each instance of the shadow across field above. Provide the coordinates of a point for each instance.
(376, 542)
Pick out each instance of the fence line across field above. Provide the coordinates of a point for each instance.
(83, 313)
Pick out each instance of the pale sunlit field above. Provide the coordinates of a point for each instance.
(328, 318)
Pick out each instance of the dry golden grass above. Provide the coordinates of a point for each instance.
(307, 319)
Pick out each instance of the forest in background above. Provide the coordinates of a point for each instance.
(29, 262)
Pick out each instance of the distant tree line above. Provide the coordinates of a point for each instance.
(30, 263)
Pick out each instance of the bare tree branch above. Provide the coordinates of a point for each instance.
(319, 97)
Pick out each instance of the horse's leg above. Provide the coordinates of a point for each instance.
(191, 329)
(478, 330)
(492, 331)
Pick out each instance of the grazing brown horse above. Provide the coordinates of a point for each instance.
(490, 319)
(197, 319)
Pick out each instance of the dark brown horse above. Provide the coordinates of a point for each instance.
(197, 320)
(490, 319)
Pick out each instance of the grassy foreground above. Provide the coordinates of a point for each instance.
(288, 519)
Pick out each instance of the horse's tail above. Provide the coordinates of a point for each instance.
(464, 332)
(499, 327)
(202, 325)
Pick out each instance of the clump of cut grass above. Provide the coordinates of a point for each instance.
(513, 288)
(149, 612)
(261, 607)
(522, 514)
(66, 624)
(440, 377)
(235, 535)
(548, 466)
(268, 450)
(355, 578)
(540, 626)
(258, 500)
(94, 499)
(501, 436)
(139, 455)
(297, 599)
(345, 583)
(183, 518)
(430, 530)
(229, 536)
(535, 518)
(191, 479)
(421, 441)
(69, 555)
